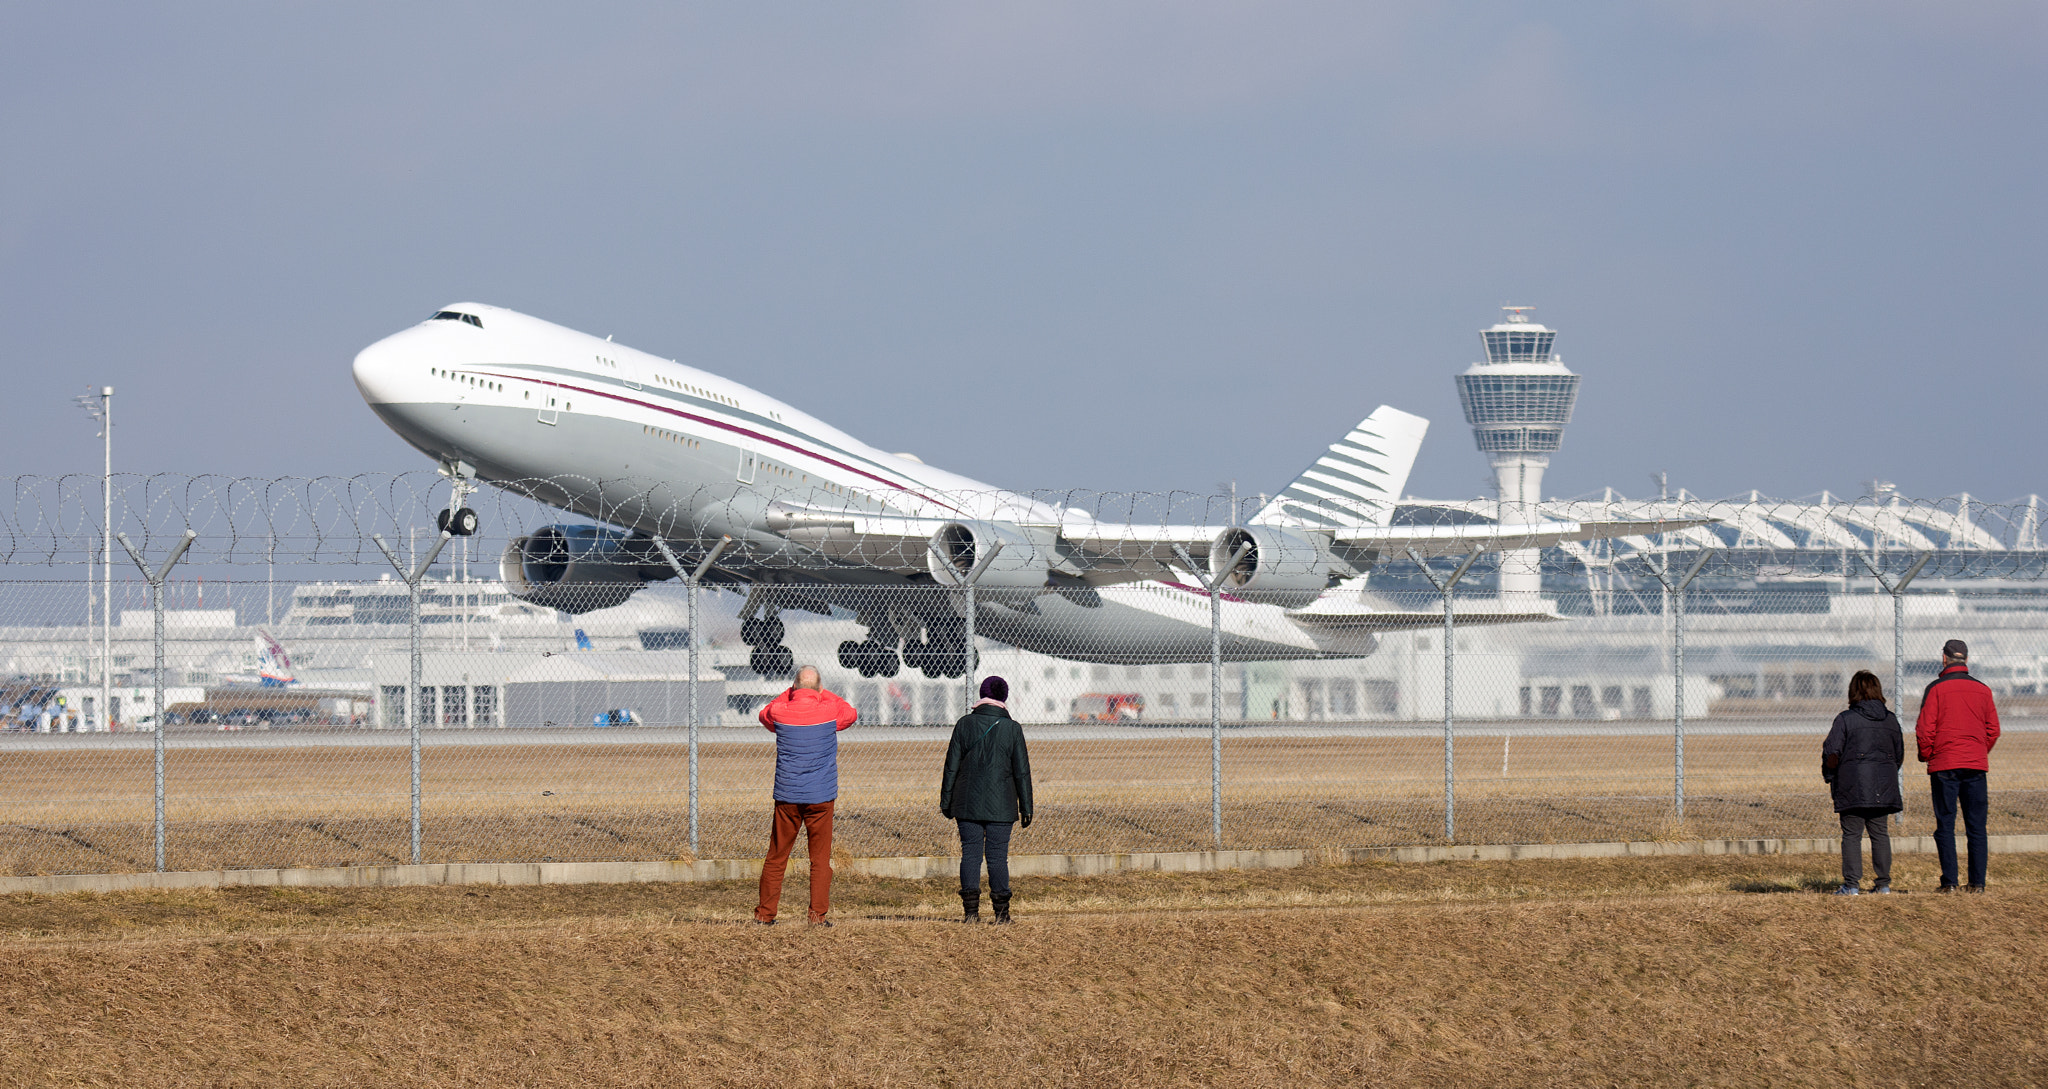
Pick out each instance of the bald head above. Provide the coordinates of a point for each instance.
(807, 677)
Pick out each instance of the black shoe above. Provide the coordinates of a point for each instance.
(970, 905)
(1002, 902)
(1973, 888)
(764, 922)
(823, 922)
(1945, 889)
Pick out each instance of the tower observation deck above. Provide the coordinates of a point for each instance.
(1518, 402)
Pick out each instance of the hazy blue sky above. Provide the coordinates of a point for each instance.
(1141, 245)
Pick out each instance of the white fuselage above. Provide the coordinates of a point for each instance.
(652, 444)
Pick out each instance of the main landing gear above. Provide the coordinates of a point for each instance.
(941, 653)
(770, 658)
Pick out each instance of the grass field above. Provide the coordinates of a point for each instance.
(89, 810)
(1696, 971)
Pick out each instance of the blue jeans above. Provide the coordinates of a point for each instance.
(993, 839)
(1968, 787)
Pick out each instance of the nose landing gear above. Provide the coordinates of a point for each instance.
(457, 523)
(457, 520)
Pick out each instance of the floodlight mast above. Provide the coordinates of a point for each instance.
(103, 412)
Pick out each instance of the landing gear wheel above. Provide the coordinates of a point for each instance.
(462, 523)
(761, 631)
(849, 655)
(948, 660)
(886, 662)
(772, 662)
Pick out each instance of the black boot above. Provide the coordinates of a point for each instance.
(1002, 902)
(970, 905)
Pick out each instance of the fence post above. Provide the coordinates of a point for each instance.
(1897, 590)
(1444, 587)
(969, 658)
(1213, 583)
(156, 608)
(412, 699)
(1677, 592)
(691, 578)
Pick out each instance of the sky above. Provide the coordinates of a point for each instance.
(1139, 246)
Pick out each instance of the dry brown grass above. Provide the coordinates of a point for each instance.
(87, 811)
(1608, 972)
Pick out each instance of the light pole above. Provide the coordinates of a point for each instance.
(103, 411)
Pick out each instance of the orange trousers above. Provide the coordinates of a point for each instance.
(816, 821)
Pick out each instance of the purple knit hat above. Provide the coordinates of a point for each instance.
(995, 688)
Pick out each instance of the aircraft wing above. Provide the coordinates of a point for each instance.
(1111, 552)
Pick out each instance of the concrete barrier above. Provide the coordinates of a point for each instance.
(942, 866)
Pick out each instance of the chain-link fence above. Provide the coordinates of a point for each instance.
(311, 673)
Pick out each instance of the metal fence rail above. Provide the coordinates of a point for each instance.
(242, 710)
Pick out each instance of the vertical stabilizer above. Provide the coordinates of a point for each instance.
(1358, 480)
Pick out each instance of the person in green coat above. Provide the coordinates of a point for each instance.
(986, 789)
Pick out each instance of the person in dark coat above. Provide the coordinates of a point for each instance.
(986, 789)
(1860, 760)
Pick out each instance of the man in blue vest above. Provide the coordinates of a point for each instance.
(806, 721)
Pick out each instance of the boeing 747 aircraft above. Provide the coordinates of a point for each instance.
(649, 447)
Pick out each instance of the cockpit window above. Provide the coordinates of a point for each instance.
(457, 315)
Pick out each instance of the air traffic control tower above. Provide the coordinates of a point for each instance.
(1518, 402)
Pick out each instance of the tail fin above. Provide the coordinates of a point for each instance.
(1358, 480)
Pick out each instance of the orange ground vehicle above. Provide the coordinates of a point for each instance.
(1108, 707)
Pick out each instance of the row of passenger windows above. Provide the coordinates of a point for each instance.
(684, 387)
(681, 440)
(468, 380)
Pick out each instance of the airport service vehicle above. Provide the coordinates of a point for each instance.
(648, 448)
(1107, 707)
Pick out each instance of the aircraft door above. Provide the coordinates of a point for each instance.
(746, 472)
(549, 412)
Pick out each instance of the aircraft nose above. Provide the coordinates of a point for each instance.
(380, 371)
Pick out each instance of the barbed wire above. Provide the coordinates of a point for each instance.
(56, 521)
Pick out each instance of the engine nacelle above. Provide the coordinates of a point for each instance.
(1021, 565)
(578, 568)
(1282, 567)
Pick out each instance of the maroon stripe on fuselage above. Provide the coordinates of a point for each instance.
(1198, 590)
(729, 427)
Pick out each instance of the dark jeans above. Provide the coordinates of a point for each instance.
(993, 839)
(1855, 822)
(1968, 787)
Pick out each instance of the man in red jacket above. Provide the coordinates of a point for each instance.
(1957, 727)
(806, 721)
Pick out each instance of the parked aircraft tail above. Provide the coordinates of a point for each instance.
(1357, 481)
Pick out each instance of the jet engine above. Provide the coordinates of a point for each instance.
(1283, 567)
(579, 568)
(1020, 565)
